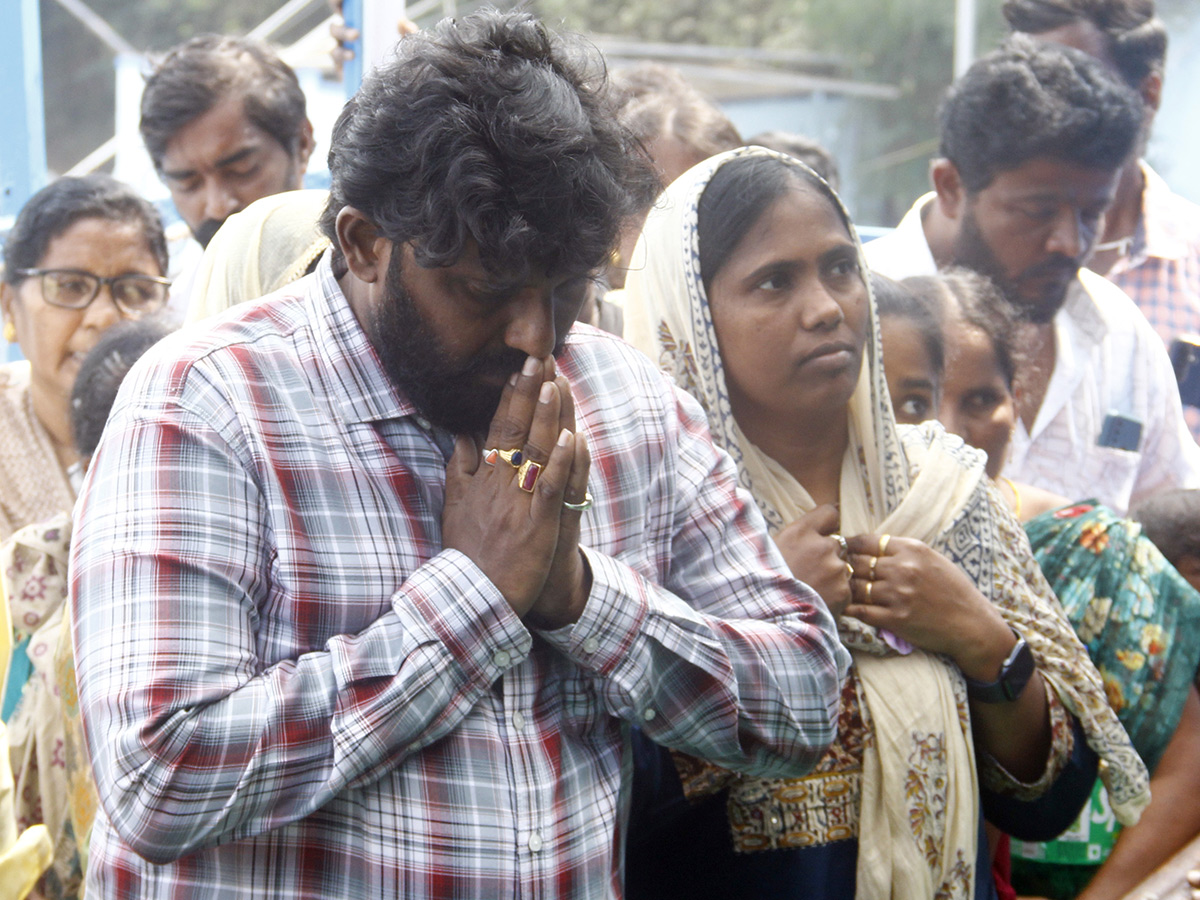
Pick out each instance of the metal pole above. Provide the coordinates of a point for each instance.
(23, 162)
(964, 35)
(376, 21)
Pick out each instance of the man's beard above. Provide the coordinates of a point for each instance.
(451, 395)
(973, 252)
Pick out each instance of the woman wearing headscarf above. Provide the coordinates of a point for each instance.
(968, 683)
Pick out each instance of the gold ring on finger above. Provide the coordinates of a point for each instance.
(527, 475)
(513, 457)
(583, 505)
(849, 571)
(868, 590)
(883, 543)
(871, 571)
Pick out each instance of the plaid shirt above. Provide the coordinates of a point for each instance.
(290, 690)
(1162, 270)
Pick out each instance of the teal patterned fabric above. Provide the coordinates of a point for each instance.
(1140, 621)
(1138, 617)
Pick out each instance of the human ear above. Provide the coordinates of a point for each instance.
(951, 195)
(1151, 91)
(305, 145)
(7, 295)
(362, 245)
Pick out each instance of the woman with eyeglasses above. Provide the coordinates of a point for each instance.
(83, 254)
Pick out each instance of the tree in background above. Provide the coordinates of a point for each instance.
(908, 43)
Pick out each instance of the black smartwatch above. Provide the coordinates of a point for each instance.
(1015, 673)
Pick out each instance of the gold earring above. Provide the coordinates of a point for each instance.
(10, 332)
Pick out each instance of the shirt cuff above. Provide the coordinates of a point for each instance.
(611, 620)
(995, 777)
(450, 601)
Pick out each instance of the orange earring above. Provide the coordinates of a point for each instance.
(10, 332)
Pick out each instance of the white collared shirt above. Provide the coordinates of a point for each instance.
(1107, 360)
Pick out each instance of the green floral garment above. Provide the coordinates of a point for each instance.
(1140, 621)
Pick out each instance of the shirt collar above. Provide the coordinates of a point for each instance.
(1079, 316)
(1162, 231)
(356, 375)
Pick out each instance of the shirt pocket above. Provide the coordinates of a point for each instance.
(1109, 473)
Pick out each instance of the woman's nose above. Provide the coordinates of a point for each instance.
(820, 309)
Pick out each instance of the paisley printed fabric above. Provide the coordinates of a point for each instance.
(920, 483)
(34, 568)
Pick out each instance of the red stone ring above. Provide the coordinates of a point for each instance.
(527, 475)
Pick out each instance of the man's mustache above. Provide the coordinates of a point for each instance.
(205, 231)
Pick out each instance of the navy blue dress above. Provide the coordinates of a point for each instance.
(678, 849)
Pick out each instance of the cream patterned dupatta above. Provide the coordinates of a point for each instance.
(918, 822)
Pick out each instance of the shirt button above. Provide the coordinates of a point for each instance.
(535, 842)
(649, 715)
(501, 658)
(518, 720)
(591, 645)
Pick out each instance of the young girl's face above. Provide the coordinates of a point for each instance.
(912, 379)
(977, 402)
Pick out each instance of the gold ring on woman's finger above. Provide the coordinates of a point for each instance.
(868, 589)
(871, 571)
(844, 552)
(883, 542)
(583, 505)
(527, 475)
(849, 571)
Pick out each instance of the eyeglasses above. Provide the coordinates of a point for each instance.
(134, 295)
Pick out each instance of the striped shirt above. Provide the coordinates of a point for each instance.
(290, 689)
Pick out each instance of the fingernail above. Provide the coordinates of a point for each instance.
(546, 392)
(512, 380)
(530, 368)
(564, 437)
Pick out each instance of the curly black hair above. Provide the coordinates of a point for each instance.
(199, 73)
(490, 129)
(1134, 37)
(1027, 100)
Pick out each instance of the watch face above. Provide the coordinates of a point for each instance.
(1017, 670)
(1015, 673)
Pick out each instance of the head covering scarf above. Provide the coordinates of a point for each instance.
(924, 485)
(271, 243)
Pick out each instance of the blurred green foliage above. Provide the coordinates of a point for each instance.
(907, 43)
